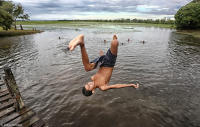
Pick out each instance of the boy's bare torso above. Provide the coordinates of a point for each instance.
(102, 77)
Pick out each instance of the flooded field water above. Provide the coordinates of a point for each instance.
(50, 78)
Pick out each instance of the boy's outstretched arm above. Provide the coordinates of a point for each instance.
(106, 87)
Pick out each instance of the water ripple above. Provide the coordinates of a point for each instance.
(50, 78)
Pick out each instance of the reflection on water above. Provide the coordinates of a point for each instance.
(50, 78)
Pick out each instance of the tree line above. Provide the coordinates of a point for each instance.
(9, 13)
(150, 21)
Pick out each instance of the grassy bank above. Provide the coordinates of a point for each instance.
(81, 23)
(4, 33)
(194, 33)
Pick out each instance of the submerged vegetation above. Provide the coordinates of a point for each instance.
(194, 33)
(146, 21)
(97, 22)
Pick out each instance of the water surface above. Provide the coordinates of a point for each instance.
(50, 78)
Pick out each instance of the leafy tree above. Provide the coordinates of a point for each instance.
(188, 17)
(8, 6)
(5, 19)
(194, 1)
(18, 13)
(1, 2)
(14, 11)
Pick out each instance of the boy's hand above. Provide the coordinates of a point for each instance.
(135, 85)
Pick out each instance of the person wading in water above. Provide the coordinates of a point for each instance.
(106, 62)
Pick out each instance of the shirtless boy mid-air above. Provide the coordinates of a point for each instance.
(106, 62)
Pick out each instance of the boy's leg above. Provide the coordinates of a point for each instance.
(114, 45)
(79, 40)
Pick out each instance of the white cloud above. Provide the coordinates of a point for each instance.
(146, 8)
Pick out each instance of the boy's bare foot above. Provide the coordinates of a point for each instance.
(135, 85)
(76, 41)
(114, 37)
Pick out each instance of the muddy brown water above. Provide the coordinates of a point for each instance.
(50, 78)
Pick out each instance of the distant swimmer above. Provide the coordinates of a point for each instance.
(128, 40)
(105, 63)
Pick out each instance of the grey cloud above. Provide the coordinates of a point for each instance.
(62, 7)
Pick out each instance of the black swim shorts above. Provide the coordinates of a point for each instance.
(107, 60)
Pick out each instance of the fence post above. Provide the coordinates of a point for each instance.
(13, 88)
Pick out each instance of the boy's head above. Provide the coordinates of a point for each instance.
(86, 92)
(88, 89)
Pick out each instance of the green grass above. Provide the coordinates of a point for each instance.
(87, 23)
(4, 33)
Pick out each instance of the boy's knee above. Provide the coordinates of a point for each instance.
(87, 69)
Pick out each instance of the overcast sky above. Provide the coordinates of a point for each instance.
(100, 9)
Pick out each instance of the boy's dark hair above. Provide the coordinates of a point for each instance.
(86, 92)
